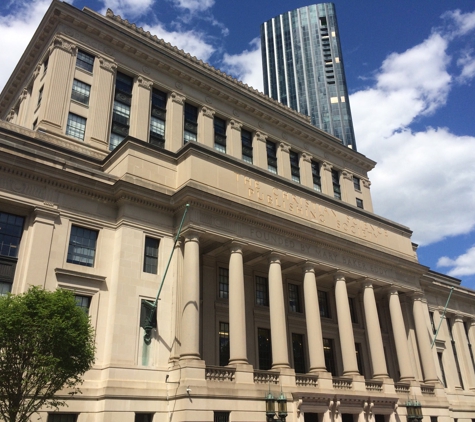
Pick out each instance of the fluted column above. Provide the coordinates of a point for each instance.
(423, 340)
(312, 316)
(237, 307)
(280, 355)
(373, 331)
(190, 321)
(400, 339)
(345, 327)
(461, 342)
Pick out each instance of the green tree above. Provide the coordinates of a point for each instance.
(46, 344)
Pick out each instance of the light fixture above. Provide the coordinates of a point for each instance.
(414, 411)
(281, 407)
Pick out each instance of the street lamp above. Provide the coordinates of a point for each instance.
(414, 411)
(281, 407)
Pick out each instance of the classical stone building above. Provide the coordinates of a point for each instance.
(282, 280)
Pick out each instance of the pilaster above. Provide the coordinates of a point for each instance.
(140, 110)
(175, 120)
(305, 164)
(326, 175)
(260, 150)
(466, 366)
(234, 143)
(347, 188)
(283, 160)
(206, 126)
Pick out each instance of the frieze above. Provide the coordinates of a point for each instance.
(85, 39)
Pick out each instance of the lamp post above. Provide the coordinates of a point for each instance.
(414, 411)
(271, 413)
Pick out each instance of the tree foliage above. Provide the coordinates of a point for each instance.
(46, 345)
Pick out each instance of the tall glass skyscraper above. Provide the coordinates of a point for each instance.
(303, 67)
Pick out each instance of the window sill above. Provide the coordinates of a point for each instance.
(79, 275)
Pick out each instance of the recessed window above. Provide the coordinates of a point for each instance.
(76, 126)
(357, 183)
(85, 61)
(294, 166)
(219, 134)
(323, 304)
(45, 65)
(299, 353)
(143, 417)
(317, 183)
(191, 123)
(271, 157)
(223, 343)
(294, 298)
(359, 358)
(121, 109)
(150, 262)
(62, 417)
(223, 283)
(431, 317)
(81, 92)
(157, 118)
(83, 302)
(354, 315)
(329, 354)
(82, 246)
(336, 184)
(35, 123)
(40, 96)
(5, 288)
(221, 416)
(264, 348)
(246, 142)
(359, 203)
(262, 291)
(442, 371)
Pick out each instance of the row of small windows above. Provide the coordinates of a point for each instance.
(139, 417)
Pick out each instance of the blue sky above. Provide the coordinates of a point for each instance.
(410, 68)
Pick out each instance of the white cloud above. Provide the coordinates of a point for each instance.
(192, 42)
(463, 265)
(459, 23)
(195, 5)
(467, 63)
(16, 31)
(128, 9)
(246, 66)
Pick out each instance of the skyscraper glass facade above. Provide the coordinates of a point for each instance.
(303, 67)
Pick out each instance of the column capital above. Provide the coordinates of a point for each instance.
(339, 275)
(366, 183)
(327, 166)
(274, 258)
(284, 146)
(235, 124)
(236, 246)
(309, 267)
(261, 137)
(177, 98)
(208, 111)
(458, 318)
(367, 283)
(347, 175)
(61, 43)
(418, 296)
(192, 236)
(108, 65)
(393, 291)
(144, 82)
(307, 157)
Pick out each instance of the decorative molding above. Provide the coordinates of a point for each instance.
(37, 71)
(307, 157)
(284, 147)
(366, 183)
(11, 115)
(236, 113)
(62, 44)
(107, 64)
(236, 125)
(145, 82)
(177, 98)
(208, 99)
(261, 137)
(327, 166)
(80, 275)
(347, 175)
(178, 85)
(208, 112)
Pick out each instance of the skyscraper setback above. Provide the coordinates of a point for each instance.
(303, 67)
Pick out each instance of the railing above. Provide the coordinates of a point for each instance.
(219, 373)
(266, 377)
(372, 385)
(401, 388)
(428, 390)
(342, 383)
(306, 380)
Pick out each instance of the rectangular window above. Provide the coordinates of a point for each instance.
(223, 343)
(336, 184)
(35, 123)
(294, 166)
(323, 304)
(357, 183)
(5, 288)
(85, 61)
(45, 65)
(433, 419)
(439, 355)
(150, 261)
(359, 358)
(329, 353)
(40, 96)
(431, 316)
(82, 246)
(271, 157)
(299, 353)
(262, 291)
(81, 92)
(317, 183)
(354, 316)
(219, 134)
(11, 230)
(62, 417)
(221, 416)
(121, 109)
(265, 348)
(83, 302)
(191, 123)
(158, 118)
(76, 126)
(223, 283)
(143, 417)
(294, 299)
(359, 203)
(246, 141)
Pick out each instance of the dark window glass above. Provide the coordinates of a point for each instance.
(11, 230)
(143, 417)
(467, 328)
(354, 316)
(223, 283)
(150, 262)
(357, 183)
(433, 419)
(219, 134)
(431, 316)
(299, 353)
(221, 416)
(271, 157)
(124, 83)
(191, 123)
(336, 184)
(223, 343)
(439, 355)
(329, 354)
(83, 302)
(246, 141)
(323, 304)
(157, 118)
(121, 109)
(294, 166)
(265, 348)
(262, 291)
(85, 61)
(359, 358)
(454, 348)
(82, 246)
(62, 417)
(45, 65)
(317, 183)
(80, 92)
(76, 126)
(294, 299)
(40, 96)
(5, 287)
(359, 203)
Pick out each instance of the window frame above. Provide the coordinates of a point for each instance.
(81, 63)
(357, 183)
(190, 123)
(223, 343)
(271, 151)
(316, 178)
(81, 246)
(77, 94)
(265, 292)
(264, 356)
(147, 257)
(359, 203)
(223, 283)
(293, 290)
(336, 184)
(325, 311)
(79, 130)
(246, 146)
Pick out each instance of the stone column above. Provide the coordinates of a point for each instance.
(312, 316)
(190, 321)
(461, 343)
(237, 307)
(345, 327)
(347, 187)
(373, 331)
(280, 355)
(326, 178)
(234, 143)
(175, 120)
(400, 339)
(305, 163)
(140, 109)
(206, 126)
(471, 333)
(365, 190)
(176, 317)
(283, 160)
(423, 340)
(260, 150)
